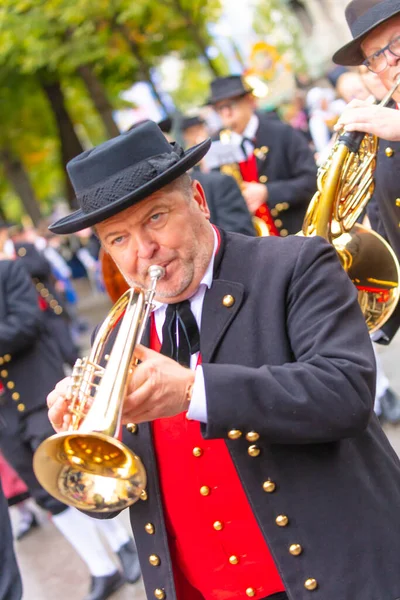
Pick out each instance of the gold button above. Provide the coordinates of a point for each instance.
(285, 205)
(254, 451)
(197, 452)
(234, 434)
(58, 310)
(44, 292)
(7, 357)
(274, 212)
(295, 549)
(269, 486)
(398, 202)
(143, 495)
(149, 528)
(39, 286)
(154, 560)
(252, 436)
(278, 223)
(21, 407)
(228, 301)
(218, 525)
(159, 594)
(1, 360)
(15, 396)
(21, 252)
(4, 373)
(132, 427)
(53, 303)
(234, 560)
(311, 584)
(205, 490)
(264, 149)
(279, 206)
(250, 592)
(284, 233)
(389, 152)
(10, 385)
(263, 179)
(282, 520)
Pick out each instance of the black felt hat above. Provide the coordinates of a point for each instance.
(122, 171)
(188, 122)
(362, 17)
(232, 86)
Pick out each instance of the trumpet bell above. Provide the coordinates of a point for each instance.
(373, 268)
(94, 472)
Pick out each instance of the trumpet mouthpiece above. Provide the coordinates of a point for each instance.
(156, 272)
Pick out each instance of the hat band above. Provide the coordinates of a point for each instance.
(127, 181)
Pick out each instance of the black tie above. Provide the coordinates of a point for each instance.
(179, 318)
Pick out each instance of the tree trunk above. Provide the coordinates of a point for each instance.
(69, 141)
(144, 67)
(99, 98)
(19, 179)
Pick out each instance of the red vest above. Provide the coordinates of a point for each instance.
(214, 538)
(248, 170)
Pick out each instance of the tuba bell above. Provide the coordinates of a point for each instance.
(345, 186)
(87, 466)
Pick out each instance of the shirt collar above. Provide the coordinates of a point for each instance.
(251, 127)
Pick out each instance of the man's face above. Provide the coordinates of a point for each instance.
(378, 39)
(235, 113)
(195, 135)
(166, 229)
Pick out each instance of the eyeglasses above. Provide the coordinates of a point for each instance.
(378, 62)
(228, 105)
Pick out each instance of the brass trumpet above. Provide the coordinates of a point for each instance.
(87, 466)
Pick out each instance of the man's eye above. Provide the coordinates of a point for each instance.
(117, 240)
(155, 217)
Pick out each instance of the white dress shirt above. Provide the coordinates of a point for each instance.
(249, 134)
(198, 404)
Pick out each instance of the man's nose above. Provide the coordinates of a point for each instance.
(145, 246)
(391, 58)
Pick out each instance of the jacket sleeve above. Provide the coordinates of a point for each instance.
(230, 207)
(327, 392)
(300, 185)
(22, 321)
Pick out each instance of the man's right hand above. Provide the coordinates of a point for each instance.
(59, 415)
(377, 120)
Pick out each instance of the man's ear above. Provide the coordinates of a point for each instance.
(200, 197)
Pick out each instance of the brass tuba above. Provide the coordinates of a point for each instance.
(345, 186)
(87, 466)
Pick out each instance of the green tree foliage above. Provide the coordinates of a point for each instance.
(70, 43)
(275, 22)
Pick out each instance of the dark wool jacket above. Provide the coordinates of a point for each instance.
(291, 360)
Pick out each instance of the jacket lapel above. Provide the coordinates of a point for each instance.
(218, 314)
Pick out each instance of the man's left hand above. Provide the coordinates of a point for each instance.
(158, 388)
(377, 120)
(255, 194)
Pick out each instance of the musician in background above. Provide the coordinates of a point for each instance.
(278, 166)
(375, 26)
(268, 476)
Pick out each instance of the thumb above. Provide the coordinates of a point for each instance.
(142, 353)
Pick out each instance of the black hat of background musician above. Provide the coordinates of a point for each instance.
(188, 122)
(232, 86)
(123, 171)
(363, 16)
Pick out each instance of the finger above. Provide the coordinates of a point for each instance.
(360, 127)
(139, 400)
(142, 353)
(57, 412)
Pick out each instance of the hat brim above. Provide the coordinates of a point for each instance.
(227, 96)
(351, 54)
(80, 220)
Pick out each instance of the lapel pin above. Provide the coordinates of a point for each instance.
(228, 301)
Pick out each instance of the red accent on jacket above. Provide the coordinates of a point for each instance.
(203, 554)
(249, 173)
